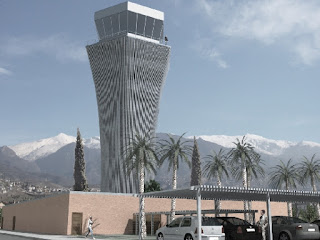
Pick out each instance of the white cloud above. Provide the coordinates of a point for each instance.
(205, 49)
(58, 46)
(5, 71)
(293, 24)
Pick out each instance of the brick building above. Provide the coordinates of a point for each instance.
(113, 213)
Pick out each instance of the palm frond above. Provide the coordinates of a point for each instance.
(141, 148)
(284, 175)
(216, 165)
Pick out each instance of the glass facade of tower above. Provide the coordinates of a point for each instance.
(129, 66)
(129, 22)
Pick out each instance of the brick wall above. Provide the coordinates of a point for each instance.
(112, 213)
(47, 215)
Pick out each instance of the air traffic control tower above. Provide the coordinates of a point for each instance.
(129, 65)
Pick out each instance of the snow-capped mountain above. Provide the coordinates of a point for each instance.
(55, 157)
(32, 151)
(263, 145)
(93, 143)
(280, 149)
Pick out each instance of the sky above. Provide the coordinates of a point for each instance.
(237, 67)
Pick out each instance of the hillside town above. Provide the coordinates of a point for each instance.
(13, 191)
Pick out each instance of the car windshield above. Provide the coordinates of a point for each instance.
(175, 223)
(210, 221)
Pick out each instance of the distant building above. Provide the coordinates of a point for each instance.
(129, 65)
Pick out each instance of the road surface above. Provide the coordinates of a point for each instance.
(8, 237)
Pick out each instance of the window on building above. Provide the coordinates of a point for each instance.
(132, 22)
(149, 27)
(141, 24)
(123, 21)
(115, 23)
(157, 30)
(107, 26)
(100, 28)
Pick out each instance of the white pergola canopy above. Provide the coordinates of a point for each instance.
(209, 192)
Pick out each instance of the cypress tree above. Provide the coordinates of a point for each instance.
(196, 165)
(80, 181)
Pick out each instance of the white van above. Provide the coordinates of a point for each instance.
(185, 228)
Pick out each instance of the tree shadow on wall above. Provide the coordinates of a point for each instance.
(130, 228)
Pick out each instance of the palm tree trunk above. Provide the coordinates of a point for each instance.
(174, 186)
(249, 203)
(217, 204)
(289, 204)
(245, 186)
(314, 188)
(141, 190)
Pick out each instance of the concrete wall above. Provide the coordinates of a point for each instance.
(112, 213)
(46, 215)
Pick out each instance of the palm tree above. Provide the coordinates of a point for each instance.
(309, 169)
(216, 167)
(174, 150)
(254, 169)
(242, 156)
(287, 175)
(141, 156)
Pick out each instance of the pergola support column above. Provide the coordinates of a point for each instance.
(137, 224)
(140, 217)
(199, 213)
(269, 217)
(152, 224)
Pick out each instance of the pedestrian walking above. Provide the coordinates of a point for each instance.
(263, 223)
(90, 222)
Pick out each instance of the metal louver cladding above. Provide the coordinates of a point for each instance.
(128, 74)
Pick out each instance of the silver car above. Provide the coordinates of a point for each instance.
(185, 228)
(292, 228)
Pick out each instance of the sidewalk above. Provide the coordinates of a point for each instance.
(64, 237)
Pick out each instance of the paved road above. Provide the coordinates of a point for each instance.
(8, 237)
(28, 236)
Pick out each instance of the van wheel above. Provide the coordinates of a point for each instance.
(188, 237)
(160, 236)
(284, 236)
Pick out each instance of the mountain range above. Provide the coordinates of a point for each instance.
(53, 158)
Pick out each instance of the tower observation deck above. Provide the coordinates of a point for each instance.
(129, 65)
(130, 19)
